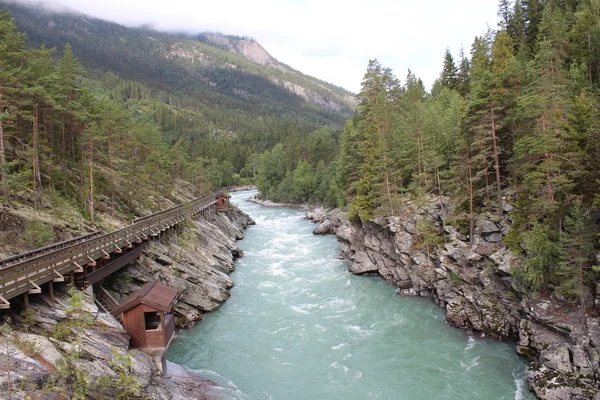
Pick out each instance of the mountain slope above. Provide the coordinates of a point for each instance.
(236, 73)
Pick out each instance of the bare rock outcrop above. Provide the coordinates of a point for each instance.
(196, 260)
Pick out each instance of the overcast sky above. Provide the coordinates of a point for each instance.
(332, 40)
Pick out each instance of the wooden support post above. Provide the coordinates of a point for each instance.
(51, 293)
(59, 277)
(36, 289)
(26, 301)
(72, 278)
(79, 270)
(4, 304)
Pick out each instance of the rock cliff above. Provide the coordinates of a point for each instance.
(196, 260)
(425, 256)
(73, 350)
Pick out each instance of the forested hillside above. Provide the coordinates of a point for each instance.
(99, 119)
(218, 100)
(513, 127)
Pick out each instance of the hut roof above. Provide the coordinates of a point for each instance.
(222, 194)
(155, 295)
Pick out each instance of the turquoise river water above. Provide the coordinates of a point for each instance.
(299, 326)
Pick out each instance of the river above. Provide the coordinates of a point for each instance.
(299, 326)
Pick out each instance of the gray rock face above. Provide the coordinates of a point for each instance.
(329, 220)
(196, 260)
(475, 286)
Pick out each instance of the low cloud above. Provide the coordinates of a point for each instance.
(329, 39)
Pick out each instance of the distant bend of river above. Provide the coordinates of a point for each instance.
(299, 326)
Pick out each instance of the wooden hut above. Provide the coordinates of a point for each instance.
(222, 201)
(148, 318)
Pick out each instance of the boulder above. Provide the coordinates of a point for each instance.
(490, 231)
(325, 228)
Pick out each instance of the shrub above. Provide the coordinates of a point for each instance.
(37, 234)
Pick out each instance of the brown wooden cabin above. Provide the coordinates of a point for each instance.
(222, 201)
(148, 316)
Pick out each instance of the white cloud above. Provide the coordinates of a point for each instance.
(329, 39)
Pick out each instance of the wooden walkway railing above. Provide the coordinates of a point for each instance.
(26, 272)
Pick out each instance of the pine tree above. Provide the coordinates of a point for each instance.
(585, 39)
(349, 161)
(449, 75)
(487, 112)
(12, 57)
(577, 252)
(504, 13)
(464, 74)
(545, 173)
(413, 128)
(379, 89)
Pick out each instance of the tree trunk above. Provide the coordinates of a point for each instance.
(201, 178)
(439, 184)
(496, 163)
(63, 147)
(92, 177)
(35, 162)
(441, 194)
(581, 304)
(112, 177)
(63, 138)
(2, 155)
(387, 184)
(419, 157)
(470, 190)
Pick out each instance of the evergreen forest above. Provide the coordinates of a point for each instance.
(511, 127)
(89, 108)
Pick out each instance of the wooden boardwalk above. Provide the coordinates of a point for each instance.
(91, 257)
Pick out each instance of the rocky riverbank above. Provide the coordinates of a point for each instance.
(73, 350)
(422, 254)
(269, 203)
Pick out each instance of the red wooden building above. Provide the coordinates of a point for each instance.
(148, 318)
(222, 201)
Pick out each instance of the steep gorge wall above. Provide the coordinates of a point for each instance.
(196, 260)
(475, 286)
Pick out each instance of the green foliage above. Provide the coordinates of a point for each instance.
(124, 385)
(577, 254)
(77, 317)
(541, 261)
(70, 380)
(100, 130)
(429, 237)
(37, 234)
(29, 348)
(29, 319)
(125, 277)
(455, 279)
(187, 239)
(7, 334)
(76, 300)
(61, 331)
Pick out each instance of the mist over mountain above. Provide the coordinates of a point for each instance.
(232, 71)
